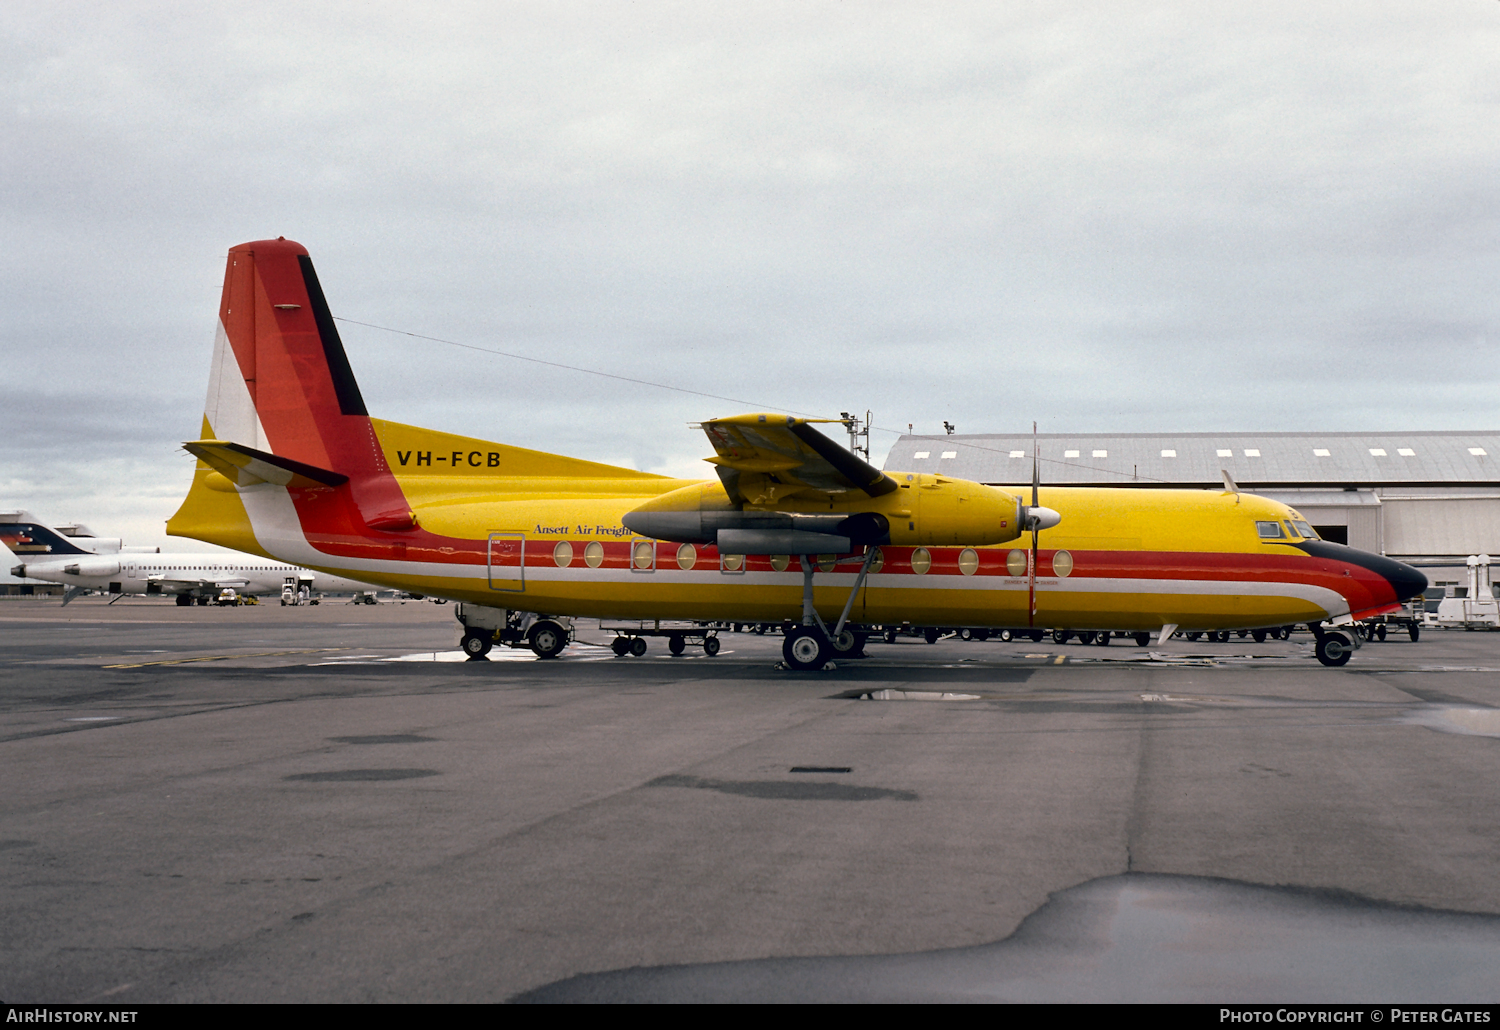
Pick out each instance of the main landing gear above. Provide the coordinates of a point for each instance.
(1333, 649)
(812, 645)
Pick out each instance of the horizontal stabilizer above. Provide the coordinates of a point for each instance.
(246, 466)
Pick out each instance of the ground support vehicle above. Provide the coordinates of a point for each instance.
(484, 627)
(630, 635)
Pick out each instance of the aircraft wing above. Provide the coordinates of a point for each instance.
(202, 582)
(764, 458)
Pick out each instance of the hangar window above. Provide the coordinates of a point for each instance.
(562, 554)
(1320, 452)
(1169, 454)
(1377, 452)
(1270, 531)
(1070, 454)
(1101, 454)
(922, 454)
(1406, 452)
(1251, 452)
(593, 554)
(949, 454)
(1018, 454)
(921, 560)
(1225, 453)
(1478, 452)
(968, 561)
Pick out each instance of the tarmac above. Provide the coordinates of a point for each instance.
(327, 804)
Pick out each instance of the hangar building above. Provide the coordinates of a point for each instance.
(1426, 498)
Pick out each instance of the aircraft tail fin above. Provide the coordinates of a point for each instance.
(26, 535)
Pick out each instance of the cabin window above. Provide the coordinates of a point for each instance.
(1015, 562)
(731, 563)
(562, 554)
(921, 560)
(1270, 531)
(643, 555)
(1062, 564)
(968, 561)
(877, 562)
(827, 562)
(687, 557)
(779, 562)
(593, 554)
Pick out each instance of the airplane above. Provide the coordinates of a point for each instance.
(83, 562)
(794, 528)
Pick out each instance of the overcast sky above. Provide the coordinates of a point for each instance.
(1180, 216)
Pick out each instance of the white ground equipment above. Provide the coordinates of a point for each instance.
(1474, 606)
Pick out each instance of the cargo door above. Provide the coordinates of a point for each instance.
(508, 562)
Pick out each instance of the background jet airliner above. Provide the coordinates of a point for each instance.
(291, 465)
(84, 562)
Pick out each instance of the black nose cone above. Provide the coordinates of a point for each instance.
(1406, 581)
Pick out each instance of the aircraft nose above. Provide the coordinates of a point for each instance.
(1406, 581)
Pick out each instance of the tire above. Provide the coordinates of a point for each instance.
(805, 649)
(676, 644)
(1223, 636)
(1103, 639)
(931, 634)
(1414, 631)
(710, 646)
(548, 639)
(1259, 636)
(1380, 633)
(1006, 636)
(845, 645)
(890, 636)
(186, 600)
(476, 645)
(620, 646)
(1193, 636)
(1142, 639)
(1036, 636)
(1060, 636)
(1086, 637)
(638, 646)
(1334, 649)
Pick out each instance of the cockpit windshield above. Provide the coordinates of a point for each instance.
(1305, 529)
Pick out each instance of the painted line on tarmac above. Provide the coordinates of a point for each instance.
(221, 658)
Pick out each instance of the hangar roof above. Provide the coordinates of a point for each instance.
(1196, 459)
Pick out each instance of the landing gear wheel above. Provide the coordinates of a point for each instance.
(638, 646)
(805, 649)
(476, 645)
(620, 646)
(1334, 649)
(1414, 631)
(846, 644)
(1142, 639)
(710, 646)
(548, 639)
(676, 644)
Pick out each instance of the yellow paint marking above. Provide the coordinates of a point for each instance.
(222, 657)
(1061, 659)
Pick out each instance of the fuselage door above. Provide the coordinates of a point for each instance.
(508, 561)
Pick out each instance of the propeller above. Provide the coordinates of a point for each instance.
(1036, 519)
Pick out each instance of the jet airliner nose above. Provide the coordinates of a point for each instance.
(1406, 581)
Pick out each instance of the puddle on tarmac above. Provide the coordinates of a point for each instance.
(1131, 938)
(915, 695)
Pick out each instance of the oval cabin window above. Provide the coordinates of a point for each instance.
(563, 554)
(643, 554)
(968, 561)
(1062, 563)
(593, 554)
(687, 557)
(921, 560)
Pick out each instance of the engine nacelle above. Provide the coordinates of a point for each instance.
(92, 567)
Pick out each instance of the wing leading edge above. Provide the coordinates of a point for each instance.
(762, 459)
